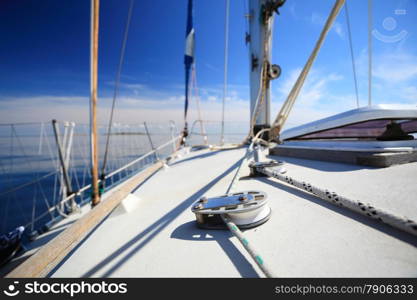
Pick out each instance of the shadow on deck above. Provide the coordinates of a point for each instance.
(190, 232)
(135, 244)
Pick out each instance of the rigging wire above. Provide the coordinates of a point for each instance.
(28, 162)
(259, 101)
(246, 14)
(369, 52)
(197, 98)
(226, 50)
(351, 53)
(289, 102)
(116, 86)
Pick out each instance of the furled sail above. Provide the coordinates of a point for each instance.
(189, 56)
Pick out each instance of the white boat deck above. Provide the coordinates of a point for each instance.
(305, 236)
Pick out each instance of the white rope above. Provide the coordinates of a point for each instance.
(232, 226)
(367, 210)
(249, 151)
(258, 103)
(288, 104)
(226, 56)
(369, 52)
(248, 246)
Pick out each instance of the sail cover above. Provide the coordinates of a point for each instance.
(189, 52)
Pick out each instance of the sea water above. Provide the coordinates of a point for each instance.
(30, 174)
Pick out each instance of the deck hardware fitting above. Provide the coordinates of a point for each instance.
(255, 167)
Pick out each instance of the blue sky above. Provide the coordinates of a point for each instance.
(44, 58)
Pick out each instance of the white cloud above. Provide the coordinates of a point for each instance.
(395, 81)
(410, 93)
(314, 88)
(395, 67)
(136, 86)
(318, 19)
(212, 98)
(309, 104)
(292, 9)
(212, 68)
(394, 76)
(132, 109)
(337, 27)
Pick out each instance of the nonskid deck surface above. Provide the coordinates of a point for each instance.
(305, 237)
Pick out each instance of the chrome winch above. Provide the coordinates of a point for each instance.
(246, 209)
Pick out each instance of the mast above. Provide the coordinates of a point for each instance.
(95, 196)
(261, 19)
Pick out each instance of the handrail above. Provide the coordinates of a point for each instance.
(120, 169)
(48, 173)
(142, 157)
(86, 187)
(50, 255)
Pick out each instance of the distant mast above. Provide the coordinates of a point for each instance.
(95, 196)
(261, 19)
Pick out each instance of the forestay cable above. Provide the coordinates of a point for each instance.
(197, 99)
(369, 52)
(116, 86)
(226, 56)
(351, 54)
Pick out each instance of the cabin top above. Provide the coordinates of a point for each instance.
(365, 122)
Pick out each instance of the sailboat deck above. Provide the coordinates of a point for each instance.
(305, 236)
